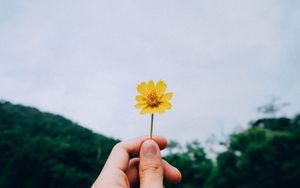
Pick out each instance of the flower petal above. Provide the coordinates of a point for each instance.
(166, 105)
(152, 110)
(166, 97)
(142, 88)
(145, 110)
(151, 86)
(160, 87)
(160, 110)
(141, 99)
(141, 105)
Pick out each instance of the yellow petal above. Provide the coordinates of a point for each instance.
(160, 87)
(142, 88)
(160, 110)
(141, 99)
(145, 110)
(152, 110)
(166, 97)
(141, 105)
(151, 86)
(165, 105)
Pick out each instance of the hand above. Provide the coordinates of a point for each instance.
(137, 162)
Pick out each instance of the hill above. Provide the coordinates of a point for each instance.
(39, 149)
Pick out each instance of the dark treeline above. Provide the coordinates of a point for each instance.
(44, 150)
(266, 155)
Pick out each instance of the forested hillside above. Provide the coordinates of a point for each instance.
(40, 149)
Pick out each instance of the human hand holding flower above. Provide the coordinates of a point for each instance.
(135, 163)
(138, 162)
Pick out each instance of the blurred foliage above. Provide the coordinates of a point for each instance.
(195, 167)
(44, 150)
(266, 155)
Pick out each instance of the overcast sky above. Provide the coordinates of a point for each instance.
(84, 59)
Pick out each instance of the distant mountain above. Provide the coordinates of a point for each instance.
(39, 149)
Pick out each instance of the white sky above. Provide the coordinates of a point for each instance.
(84, 59)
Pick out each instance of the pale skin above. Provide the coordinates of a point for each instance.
(137, 163)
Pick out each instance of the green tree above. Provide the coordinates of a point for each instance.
(265, 155)
(192, 162)
(45, 150)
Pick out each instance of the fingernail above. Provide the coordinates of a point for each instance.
(149, 149)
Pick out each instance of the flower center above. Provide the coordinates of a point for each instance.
(153, 100)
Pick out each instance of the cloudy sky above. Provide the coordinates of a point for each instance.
(84, 59)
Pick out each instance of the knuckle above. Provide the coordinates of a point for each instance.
(150, 168)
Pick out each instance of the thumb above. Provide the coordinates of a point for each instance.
(150, 168)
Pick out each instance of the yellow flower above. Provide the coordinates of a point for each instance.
(153, 98)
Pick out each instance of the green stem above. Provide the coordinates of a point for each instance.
(151, 130)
